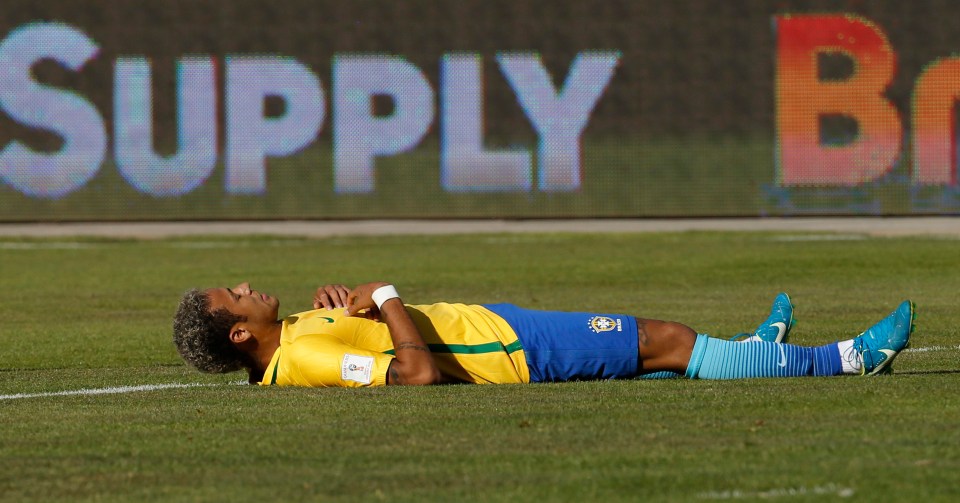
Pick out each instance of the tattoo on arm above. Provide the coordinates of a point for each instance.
(394, 377)
(411, 345)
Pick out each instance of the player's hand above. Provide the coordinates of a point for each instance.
(361, 298)
(330, 296)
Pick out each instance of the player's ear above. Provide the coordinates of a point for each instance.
(239, 334)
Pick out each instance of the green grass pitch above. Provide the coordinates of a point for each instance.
(91, 314)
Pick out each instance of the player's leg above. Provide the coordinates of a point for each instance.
(870, 353)
(775, 328)
(665, 347)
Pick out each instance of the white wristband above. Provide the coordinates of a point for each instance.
(383, 294)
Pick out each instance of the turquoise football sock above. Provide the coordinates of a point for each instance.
(665, 374)
(719, 359)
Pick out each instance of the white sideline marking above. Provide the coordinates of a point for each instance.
(931, 348)
(202, 245)
(819, 237)
(104, 391)
(825, 490)
(54, 245)
(210, 245)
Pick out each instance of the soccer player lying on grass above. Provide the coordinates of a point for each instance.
(368, 336)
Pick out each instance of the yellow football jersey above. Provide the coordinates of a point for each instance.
(325, 348)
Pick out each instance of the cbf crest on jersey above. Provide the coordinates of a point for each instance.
(604, 324)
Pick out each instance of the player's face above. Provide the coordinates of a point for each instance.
(245, 301)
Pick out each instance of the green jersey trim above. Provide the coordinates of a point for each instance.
(471, 349)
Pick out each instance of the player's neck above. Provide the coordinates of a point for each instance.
(267, 345)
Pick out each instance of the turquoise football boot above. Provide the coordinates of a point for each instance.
(777, 326)
(881, 343)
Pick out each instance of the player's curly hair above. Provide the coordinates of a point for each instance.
(202, 335)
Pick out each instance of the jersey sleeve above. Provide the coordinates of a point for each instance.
(323, 361)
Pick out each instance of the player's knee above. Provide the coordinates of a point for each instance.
(665, 345)
(676, 338)
(666, 334)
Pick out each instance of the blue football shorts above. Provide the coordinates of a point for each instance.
(562, 346)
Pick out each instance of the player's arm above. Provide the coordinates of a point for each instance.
(413, 363)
